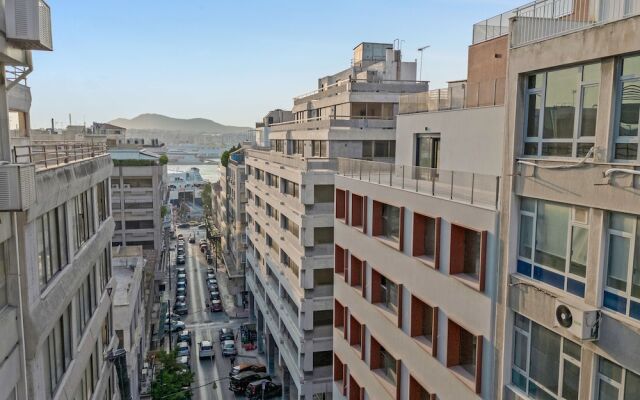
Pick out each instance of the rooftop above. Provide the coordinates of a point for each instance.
(132, 154)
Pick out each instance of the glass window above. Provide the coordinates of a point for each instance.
(561, 109)
(615, 382)
(553, 244)
(626, 147)
(622, 285)
(391, 222)
(4, 263)
(545, 365)
(51, 231)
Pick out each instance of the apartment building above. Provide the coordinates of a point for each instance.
(570, 306)
(129, 313)
(139, 187)
(417, 247)
(290, 194)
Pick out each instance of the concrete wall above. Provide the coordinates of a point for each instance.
(475, 131)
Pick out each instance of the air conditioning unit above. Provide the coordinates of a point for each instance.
(28, 24)
(581, 323)
(17, 187)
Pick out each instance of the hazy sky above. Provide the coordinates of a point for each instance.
(230, 61)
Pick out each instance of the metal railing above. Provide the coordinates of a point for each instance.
(456, 97)
(53, 154)
(465, 187)
(493, 27)
(362, 85)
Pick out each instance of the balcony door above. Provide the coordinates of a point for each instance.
(427, 155)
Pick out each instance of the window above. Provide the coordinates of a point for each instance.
(356, 331)
(553, 244)
(290, 226)
(356, 392)
(339, 314)
(561, 108)
(341, 204)
(322, 276)
(51, 233)
(378, 148)
(288, 262)
(297, 146)
(83, 217)
(545, 365)
(322, 358)
(464, 354)
(357, 268)
(272, 244)
(104, 269)
(103, 200)
(138, 182)
(277, 145)
(424, 323)
(323, 194)
(58, 351)
(426, 238)
(4, 264)
(338, 374)
(258, 201)
(323, 235)
(467, 259)
(382, 360)
(272, 212)
(628, 112)
(290, 188)
(86, 302)
(272, 180)
(358, 210)
(340, 260)
(622, 284)
(140, 205)
(319, 148)
(427, 150)
(145, 224)
(259, 174)
(615, 382)
(386, 221)
(417, 392)
(384, 291)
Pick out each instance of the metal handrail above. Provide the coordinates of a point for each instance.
(49, 155)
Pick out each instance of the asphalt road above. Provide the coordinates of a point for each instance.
(204, 325)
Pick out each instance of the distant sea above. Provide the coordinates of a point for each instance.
(209, 172)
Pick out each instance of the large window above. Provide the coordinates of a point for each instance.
(553, 244)
(615, 382)
(272, 180)
(426, 236)
(4, 264)
(290, 188)
(378, 148)
(323, 235)
(561, 108)
(58, 351)
(384, 292)
(103, 200)
(83, 217)
(323, 194)
(144, 224)
(545, 365)
(386, 221)
(628, 112)
(290, 226)
(319, 148)
(141, 182)
(86, 302)
(52, 244)
(622, 283)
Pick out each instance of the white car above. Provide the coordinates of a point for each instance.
(206, 349)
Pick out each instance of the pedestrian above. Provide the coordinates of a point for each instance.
(233, 360)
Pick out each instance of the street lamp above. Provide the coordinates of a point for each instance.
(421, 49)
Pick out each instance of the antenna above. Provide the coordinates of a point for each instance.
(421, 50)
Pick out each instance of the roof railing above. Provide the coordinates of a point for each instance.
(54, 154)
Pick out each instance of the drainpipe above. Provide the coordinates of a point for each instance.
(14, 223)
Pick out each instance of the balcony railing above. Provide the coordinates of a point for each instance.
(336, 121)
(53, 154)
(363, 85)
(465, 95)
(296, 162)
(465, 187)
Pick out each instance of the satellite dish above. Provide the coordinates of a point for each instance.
(563, 316)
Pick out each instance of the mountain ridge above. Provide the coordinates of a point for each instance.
(152, 121)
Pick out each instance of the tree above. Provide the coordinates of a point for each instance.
(164, 160)
(206, 197)
(164, 211)
(172, 380)
(224, 159)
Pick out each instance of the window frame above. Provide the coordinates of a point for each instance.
(620, 81)
(539, 139)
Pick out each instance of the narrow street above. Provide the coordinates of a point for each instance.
(205, 325)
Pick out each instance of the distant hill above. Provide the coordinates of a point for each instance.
(163, 123)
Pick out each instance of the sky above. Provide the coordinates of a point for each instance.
(229, 61)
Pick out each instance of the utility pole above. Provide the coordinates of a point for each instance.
(421, 50)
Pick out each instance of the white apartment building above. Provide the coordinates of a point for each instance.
(139, 187)
(129, 311)
(290, 193)
(417, 248)
(570, 314)
(55, 241)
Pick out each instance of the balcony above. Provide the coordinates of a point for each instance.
(545, 19)
(362, 85)
(335, 121)
(464, 187)
(457, 97)
(56, 153)
(295, 162)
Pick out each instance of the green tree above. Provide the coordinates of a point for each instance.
(224, 159)
(164, 160)
(206, 198)
(164, 211)
(172, 380)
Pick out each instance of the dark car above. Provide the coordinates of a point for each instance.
(180, 236)
(210, 271)
(180, 270)
(209, 259)
(214, 295)
(211, 275)
(181, 309)
(181, 291)
(239, 383)
(184, 336)
(192, 238)
(216, 305)
(180, 260)
(226, 334)
(181, 299)
(263, 389)
(244, 367)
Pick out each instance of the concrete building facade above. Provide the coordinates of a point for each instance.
(569, 304)
(290, 194)
(416, 255)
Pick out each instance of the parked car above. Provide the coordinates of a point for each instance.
(176, 326)
(181, 309)
(192, 238)
(180, 260)
(182, 349)
(244, 367)
(181, 291)
(181, 285)
(203, 248)
(239, 383)
(184, 225)
(209, 259)
(263, 389)
(182, 277)
(216, 305)
(211, 271)
(213, 287)
(181, 299)
(184, 336)
(180, 236)
(183, 362)
(229, 348)
(225, 334)
(180, 270)
(180, 251)
(206, 349)
(214, 295)
(211, 275)
(172, 316)
(202, 241)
